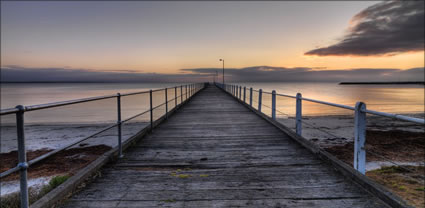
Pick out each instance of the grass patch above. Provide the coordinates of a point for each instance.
(390, 169)
(53, 183)
(13, 200)
(420, 189)
(183, 175)
(408, 185)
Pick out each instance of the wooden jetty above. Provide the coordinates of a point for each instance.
(215, 152)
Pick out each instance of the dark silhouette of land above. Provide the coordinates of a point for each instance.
(380, 83)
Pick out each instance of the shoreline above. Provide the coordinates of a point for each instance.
(66, 162)
(42, 138)
(53, 136)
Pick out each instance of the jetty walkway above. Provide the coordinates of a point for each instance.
(216, 152)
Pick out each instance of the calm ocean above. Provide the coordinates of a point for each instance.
(405, 99)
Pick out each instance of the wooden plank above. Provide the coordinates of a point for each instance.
(214, 152)
(293, 203)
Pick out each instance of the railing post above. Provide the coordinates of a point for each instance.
(22, 156)
(240, 92)
(175, 96)
(181, 94)
(360, 137)
(166, 103)
(250, 96)
(244, 94)
(274, 105)
(260, 95)
(236, 91)
(298, 116)
(185, 88)
(119, 125)
(150, 101)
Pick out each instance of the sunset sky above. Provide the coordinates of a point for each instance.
(166, 37)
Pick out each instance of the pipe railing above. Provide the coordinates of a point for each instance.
(360, 112)
(23, 164)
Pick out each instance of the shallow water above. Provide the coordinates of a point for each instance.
(404, 99)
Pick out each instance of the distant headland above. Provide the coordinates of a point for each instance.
(380, 83)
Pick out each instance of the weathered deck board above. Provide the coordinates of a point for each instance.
(214, 152)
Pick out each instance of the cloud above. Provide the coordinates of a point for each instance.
(24, 74)
(306, 74)
(247, 74)
(386, 28)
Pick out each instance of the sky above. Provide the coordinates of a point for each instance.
(184, 40)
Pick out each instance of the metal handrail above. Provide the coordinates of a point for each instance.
(378, 113)
(23, 165)
(8, 111)
(360, 112)
(134, 93)
(396, 116)
(76, 101)
(290, 96)
(69, 102)
(329, 103)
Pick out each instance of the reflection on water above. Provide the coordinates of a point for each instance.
(403, 99)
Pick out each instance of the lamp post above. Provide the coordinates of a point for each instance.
(223, 69)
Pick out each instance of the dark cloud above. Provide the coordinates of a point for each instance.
(385, 28)
(247, 74)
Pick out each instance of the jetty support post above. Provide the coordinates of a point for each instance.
(22, 157)
(260, 95)
(181, 94)
(274, 105)
(250, 96)
(151, 110)
(360, 137)
(166, 103)
(298, 114)
(119, 123)
(175, 97)
(244, 94)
